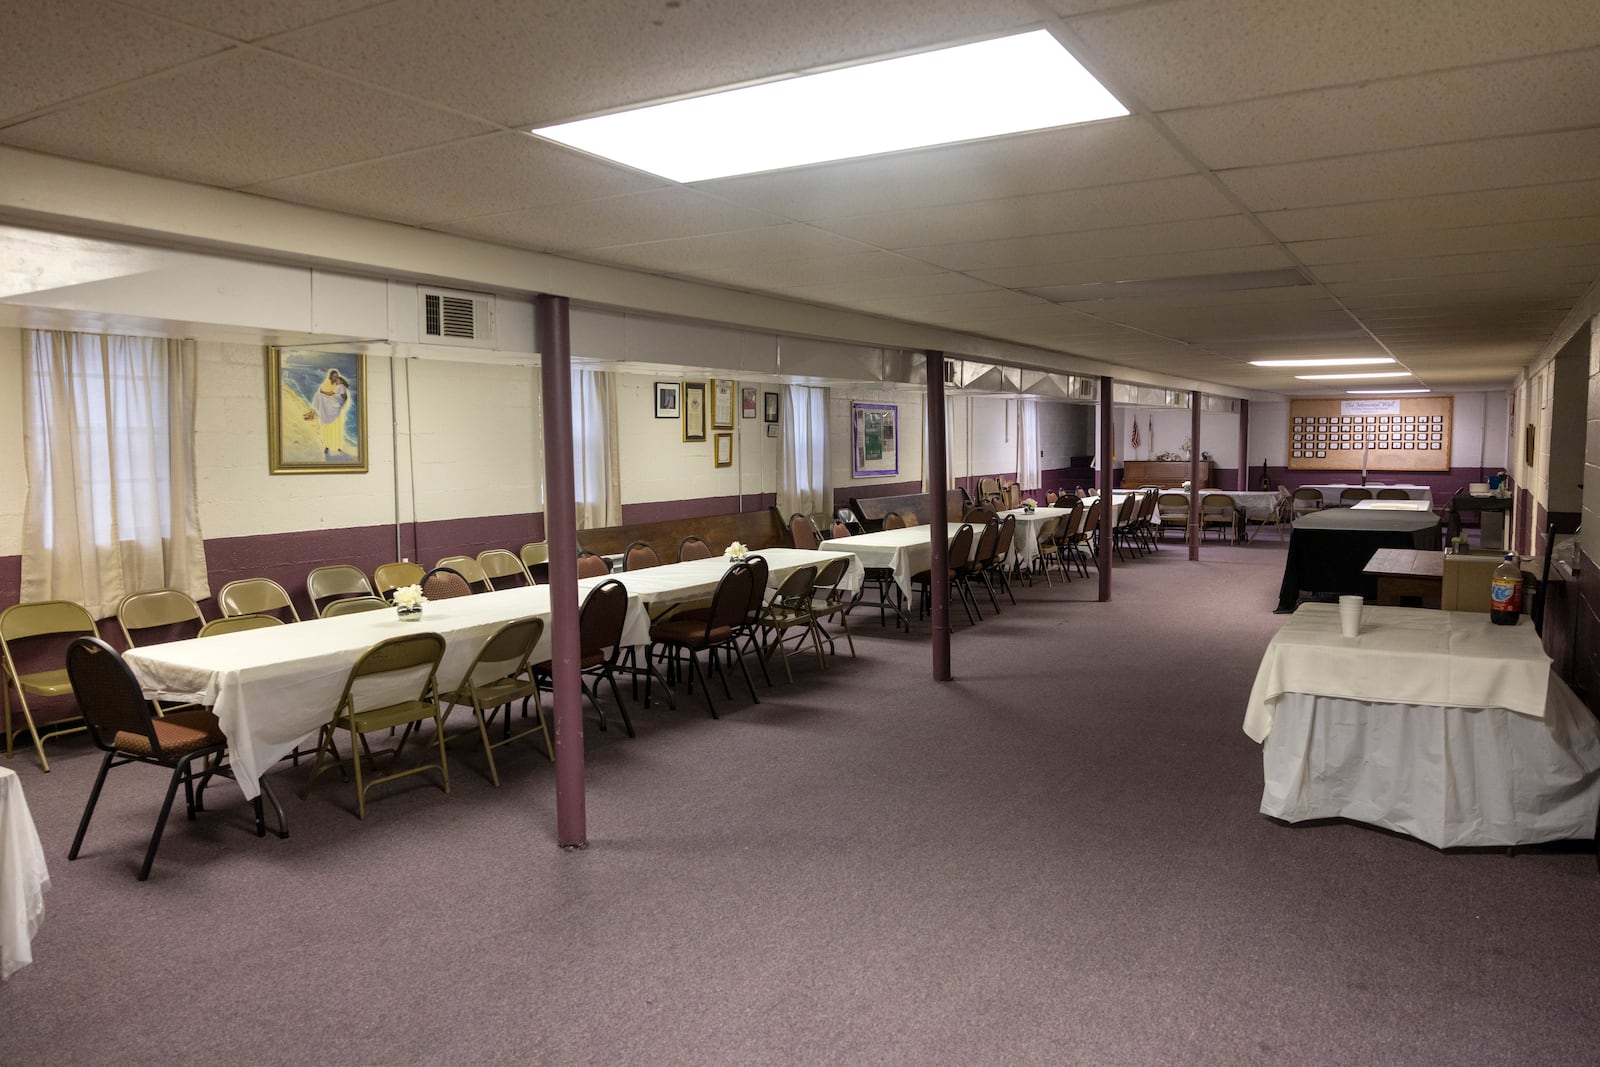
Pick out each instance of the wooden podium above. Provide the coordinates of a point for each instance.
(1168, 475)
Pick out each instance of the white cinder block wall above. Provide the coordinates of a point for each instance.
(13, 481)
(657, 464)
(909, 426)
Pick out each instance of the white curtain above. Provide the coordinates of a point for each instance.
(108, 429)
(1028, 475)
(803, 468)
(596, 456)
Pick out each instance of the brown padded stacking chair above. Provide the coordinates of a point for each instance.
(336, 580)
(591, 565)
(601, 618)
(803, 532)
(256, 596)
(640, 556)
(692, 547)
(445, 583)
(839, 530)
(893, 521)
(401, 659)
(39, 619)
(468, 568)
(121, 725)
(500, 675)
(718, 630)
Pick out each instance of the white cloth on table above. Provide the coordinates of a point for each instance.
(1403, 656)
(907, 551)
(1025, 543)
(1392, 505)
(1331, 491)
(696, 579)
(23, 877)
(273, 688)
(1450, 776)
(1255, 503)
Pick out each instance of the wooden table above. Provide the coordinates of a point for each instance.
(1403, 572)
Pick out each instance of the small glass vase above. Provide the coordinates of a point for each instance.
(409, 612)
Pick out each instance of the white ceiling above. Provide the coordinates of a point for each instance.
(1429, 169)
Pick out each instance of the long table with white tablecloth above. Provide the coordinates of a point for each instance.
(23, 877)
(1437, 724)
(906, 551)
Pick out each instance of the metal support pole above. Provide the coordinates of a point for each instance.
(1194, 475)
(938, 517)
(551, 327)
(1108, 517)
(1244, 446)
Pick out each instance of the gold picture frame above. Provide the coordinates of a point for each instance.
(722, 403)
(316, 412)
(723, 449)
(694, 411)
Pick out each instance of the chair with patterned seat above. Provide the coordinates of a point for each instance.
(717, 631)
(469, 570)
(593, 565)
(803, 532)
(188, 743)
(30, 625)
(639, 556)
(894, 521)
(692, 547)
(445, 583)
(601, 619)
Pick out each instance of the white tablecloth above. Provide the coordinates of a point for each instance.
(696, 579)
(271, 689)
(906, 552)
(1025, 545)
(1392, 505)
(23, 877)
(1436, 724)
(1255, 503)
(1330, 491)
(1403, 656)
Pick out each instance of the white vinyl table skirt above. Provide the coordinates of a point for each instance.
(1449, 776)
(23, 877)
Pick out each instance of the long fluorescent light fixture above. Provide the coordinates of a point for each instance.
(986, 89)
(1385, 392)
(1332, 361)
(1351, 377)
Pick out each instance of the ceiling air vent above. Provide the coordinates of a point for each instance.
(452, 318)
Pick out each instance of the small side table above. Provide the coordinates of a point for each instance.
(1403, 572)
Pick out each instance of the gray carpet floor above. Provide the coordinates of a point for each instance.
(1055, 859)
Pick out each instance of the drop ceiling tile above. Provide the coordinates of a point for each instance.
(888, 286)
(769, 244)
(497, 172)
(1557, 279)
(1228, 231)
(1561, 200)
(1549, 93)
(238, 119)
(248, 20)
(786, 274)
(1129, 268)
(52, 52)
(1491, 164)
(521, 64)
(1198, 52)
(984, 302)
(1100, 153)
(1480, 262)
(1136, 203)
(1550, 233)
(659, 214)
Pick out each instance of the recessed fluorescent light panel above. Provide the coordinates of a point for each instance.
(1333, 361)
(1351, 377)
(1385, 392)
(971, 91)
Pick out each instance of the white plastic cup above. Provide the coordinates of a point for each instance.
(1350, 616)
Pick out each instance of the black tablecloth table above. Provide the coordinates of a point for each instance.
(1329, 548)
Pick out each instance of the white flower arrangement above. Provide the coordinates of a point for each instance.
(409, 596)
(1185, 487)
(736, 551)
(1028, 503)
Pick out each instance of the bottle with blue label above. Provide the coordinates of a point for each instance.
(1505, 592)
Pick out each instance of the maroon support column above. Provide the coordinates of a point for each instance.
(1194, 475)
(1108, 515)
(1244, 446)
(939, 517)
(561, 533)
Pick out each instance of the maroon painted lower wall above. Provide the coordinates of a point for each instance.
(10, 580)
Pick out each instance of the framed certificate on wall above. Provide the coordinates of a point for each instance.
(721, 404)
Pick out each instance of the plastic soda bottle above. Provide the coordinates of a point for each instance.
(1505, 592)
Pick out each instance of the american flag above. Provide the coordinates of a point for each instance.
(1135, 440)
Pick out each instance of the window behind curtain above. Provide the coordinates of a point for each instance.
(596, 460)
(803, 467)
(109, 432)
